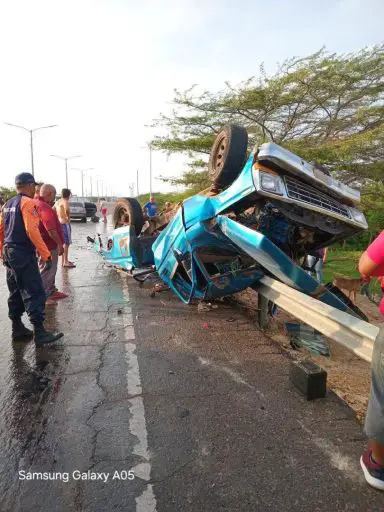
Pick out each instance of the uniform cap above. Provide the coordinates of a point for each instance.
(25, 178)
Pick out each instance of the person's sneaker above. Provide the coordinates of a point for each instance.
(20, 332)
(58, 295)
(373, 472)
(42, 337)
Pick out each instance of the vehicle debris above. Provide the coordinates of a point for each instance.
(303, 336)
(206, 306)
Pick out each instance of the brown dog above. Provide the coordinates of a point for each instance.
(350, 285)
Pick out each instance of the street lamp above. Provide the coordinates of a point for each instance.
(66, 158)
(149, 146)
(82, 179)
(31, 138)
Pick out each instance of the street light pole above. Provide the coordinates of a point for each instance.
(137, 183)
(150, 170)
(31, 138)
(149, 146)
(66, 158)
(32, 165)
(82, 178)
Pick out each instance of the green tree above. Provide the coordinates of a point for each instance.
(324, 107)
(7, 193)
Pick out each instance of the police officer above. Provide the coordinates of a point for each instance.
(19, 239)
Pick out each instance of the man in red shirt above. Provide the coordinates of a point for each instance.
(52, 234)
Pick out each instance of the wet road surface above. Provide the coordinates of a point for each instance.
(197, 405)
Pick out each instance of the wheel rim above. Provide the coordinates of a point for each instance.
(219, 152)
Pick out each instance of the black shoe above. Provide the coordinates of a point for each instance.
(42, 337)
(20, 332)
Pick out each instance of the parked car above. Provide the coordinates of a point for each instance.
(91, 209)
(262, 216)
(78, 211)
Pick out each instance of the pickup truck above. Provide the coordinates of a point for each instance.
(264, 213)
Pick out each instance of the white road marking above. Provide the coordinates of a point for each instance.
(234, 375)
(337, 459)
(146, 502)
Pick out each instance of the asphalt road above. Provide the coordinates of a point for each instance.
(198, 406)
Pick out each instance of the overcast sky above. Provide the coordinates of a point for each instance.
(103, 69)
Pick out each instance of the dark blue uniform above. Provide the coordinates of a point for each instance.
(26, 292)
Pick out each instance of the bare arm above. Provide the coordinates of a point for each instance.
(1, 234)
(366, 265)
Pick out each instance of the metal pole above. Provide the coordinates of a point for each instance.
(66, 172)
(91, 186)
(31, 138)
(150, 170)
(33, 169)
(137, 183)
(97, 185)
(82, 184)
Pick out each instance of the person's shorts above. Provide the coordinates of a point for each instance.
(104, 211)
(67, 234)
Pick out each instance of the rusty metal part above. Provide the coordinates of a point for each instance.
(219, 151)
(158, 288)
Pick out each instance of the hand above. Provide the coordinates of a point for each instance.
(48, 264)
(60, 249)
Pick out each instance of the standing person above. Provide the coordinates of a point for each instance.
(19, 239)
(315, 263)
(103, 210)
(372, 461)
(52, 234)
(63, 212)
(151, 207)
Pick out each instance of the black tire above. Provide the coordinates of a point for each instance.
(228, 155)
(84, 219)
(131, 207)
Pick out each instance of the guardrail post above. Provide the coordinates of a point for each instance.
(263, 313)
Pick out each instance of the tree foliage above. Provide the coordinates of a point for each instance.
(7, 193)
(324, 107)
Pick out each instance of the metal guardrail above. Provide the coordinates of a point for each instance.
(353, 333)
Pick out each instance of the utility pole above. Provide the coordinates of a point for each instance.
(149, 146)
(82, 178)
(137, 183)
(31, 138)
(66, 158)
(150, 170)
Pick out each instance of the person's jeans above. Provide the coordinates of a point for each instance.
(317, 269)
(48, 276)
(374, 420)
